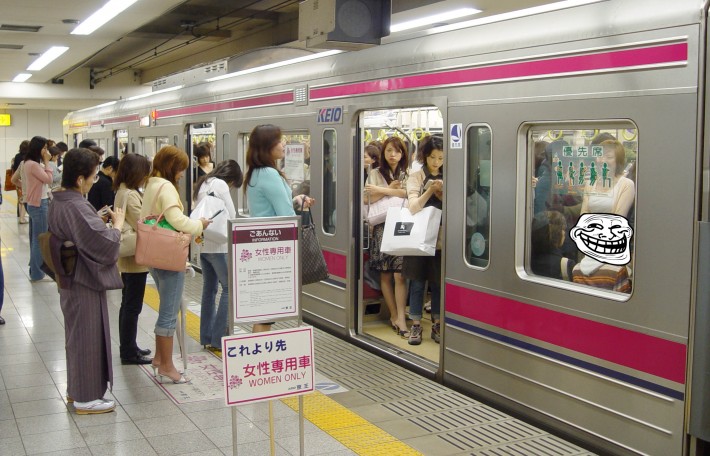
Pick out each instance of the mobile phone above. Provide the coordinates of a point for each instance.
(216, 214)
(104, 210)
(428, 184)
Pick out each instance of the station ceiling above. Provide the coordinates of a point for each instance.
(153, 39)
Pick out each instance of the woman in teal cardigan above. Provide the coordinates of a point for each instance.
(268, 193)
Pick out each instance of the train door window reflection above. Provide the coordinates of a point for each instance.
(329, 187)
(478, 195)
(582, 210)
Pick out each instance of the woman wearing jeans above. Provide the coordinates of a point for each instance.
(161, 196)
(213, 255)
(39, 175)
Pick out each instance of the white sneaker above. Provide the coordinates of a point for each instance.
(94, 407)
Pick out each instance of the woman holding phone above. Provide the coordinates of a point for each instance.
(213, 256)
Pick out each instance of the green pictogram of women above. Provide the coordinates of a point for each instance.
(560, 173)
(582, 172)
(592, 175)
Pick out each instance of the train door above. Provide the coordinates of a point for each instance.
(229, 147)
(120, 142)
(200, 137)
(383, 291)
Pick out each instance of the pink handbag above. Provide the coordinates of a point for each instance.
(159, 247)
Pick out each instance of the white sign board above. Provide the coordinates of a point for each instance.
(294, 158)
(268, 365)
(456, 136)
(265, 270)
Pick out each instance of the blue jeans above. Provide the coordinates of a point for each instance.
(170, 287)
(416, 299)
(213, 327)
(38, 225)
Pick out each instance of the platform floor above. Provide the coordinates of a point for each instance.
(364, 404)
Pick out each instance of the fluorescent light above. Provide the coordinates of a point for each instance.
(102, 16)
(46, 58)
(433, 19)
(513, 15)
(269, 66)
(169, 89)
(22, 77)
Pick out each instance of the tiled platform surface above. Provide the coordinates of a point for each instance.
(34, 418)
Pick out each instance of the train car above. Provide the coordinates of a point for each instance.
(544, 118)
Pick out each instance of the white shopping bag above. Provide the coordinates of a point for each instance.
(212, 208)
(411, 235)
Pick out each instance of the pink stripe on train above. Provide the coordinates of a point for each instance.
(609, 61)
(264, 100)
(641, 352)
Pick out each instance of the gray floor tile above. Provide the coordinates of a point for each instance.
(53, 355)
(83, 451)
(136, 395)
(246, 433)
(145, 410)
(25, 381)
(8, 429)
(33, 393)
(315, 444)
(12, 446)
(184, 443)
(110, 433)
(19, 358)
(284, 427)
(171, 424)
(37, 408)
(24, 369)
(210, 418)
(128, 448)
(45, 423)
(85, 421)
(53, 441)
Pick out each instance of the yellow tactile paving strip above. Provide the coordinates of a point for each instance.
(350, 429)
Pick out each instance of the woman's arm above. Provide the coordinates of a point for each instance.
(43, 175)
(222, 192)
(169, 202)
(17, 177)
(625, 198)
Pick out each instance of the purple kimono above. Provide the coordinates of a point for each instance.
(84, 305)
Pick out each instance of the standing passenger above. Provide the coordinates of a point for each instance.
(101, 194)
(161, 196)
(203, 154)
(423, 269)
(38, 175)
(131, 175)
(17, 181)
(84, 304)
(213, 256)
(387, 180)
(268, 193)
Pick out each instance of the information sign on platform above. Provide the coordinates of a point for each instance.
(268, 365)
(266, 270)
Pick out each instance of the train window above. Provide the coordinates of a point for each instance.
(329, 187)
(478, 195)
(148, 147)
(581, 210)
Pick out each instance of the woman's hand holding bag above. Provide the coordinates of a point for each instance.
(313, 265)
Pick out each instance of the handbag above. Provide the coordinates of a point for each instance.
(313, 266)
(59, 258)
(377, 211)
(158, 247)
(9, 186)
(213, 208)
(128, 237)
(411, 234)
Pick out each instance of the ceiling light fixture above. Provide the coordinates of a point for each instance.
(102, 16)
(22, 77)
(433, 19)
(269, 66)
(46, 58)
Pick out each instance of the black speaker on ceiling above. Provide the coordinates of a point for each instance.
(343, 24)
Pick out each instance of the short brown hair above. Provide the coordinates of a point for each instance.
(132, 171)
(619, 154)
(168, 162)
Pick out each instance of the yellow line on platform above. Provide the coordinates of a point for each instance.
(347, 427)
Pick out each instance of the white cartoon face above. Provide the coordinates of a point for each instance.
(604, 237)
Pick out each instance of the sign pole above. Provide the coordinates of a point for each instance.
(230, 323)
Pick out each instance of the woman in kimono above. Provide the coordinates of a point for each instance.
(84, 303)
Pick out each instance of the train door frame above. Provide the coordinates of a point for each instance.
(227, 134)
(424, 365)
